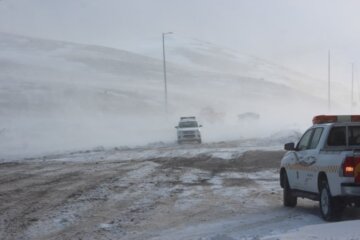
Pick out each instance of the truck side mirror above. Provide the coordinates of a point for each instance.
(289, 146)
(200, 125)
(176, 126)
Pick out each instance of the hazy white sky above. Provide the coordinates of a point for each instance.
(293, 33)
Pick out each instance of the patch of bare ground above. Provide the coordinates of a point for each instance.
(233, 182)
(249, 161)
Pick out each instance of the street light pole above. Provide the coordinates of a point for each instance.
(164, 65)
(352, 86)
(329, 101)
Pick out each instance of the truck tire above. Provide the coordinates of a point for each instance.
(288, 199)
(331, 208)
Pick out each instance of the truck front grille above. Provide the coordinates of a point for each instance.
(189, 132)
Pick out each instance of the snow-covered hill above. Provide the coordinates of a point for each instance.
(211, 57)
(58, 96)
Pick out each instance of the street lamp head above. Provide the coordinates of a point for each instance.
(167, 33)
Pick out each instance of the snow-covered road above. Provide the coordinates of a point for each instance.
(129, 194)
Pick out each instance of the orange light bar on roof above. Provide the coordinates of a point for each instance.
(324, 119)
(355, 118)
(335, 118)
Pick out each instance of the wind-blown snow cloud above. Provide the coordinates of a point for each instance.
(293, 33)
(52, 88)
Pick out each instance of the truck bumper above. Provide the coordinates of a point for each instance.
(350, 189)
(189, 137)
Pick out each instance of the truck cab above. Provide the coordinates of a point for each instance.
(324, 165)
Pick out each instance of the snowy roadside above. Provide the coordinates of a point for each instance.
(347, 230)
(146, 152)
(200, 197)
(139, 199)
(223, 150)
(209, 191)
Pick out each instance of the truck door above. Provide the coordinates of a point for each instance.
(308, 158)
(301, 154)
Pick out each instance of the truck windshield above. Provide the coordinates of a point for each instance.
(189, 124)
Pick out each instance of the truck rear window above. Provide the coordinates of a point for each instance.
(337, 137)
(354, 135)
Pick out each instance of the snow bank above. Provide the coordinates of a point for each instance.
(347, 230)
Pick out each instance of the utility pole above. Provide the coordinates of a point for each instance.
(164, 65)
(329, 101)
(352, 86)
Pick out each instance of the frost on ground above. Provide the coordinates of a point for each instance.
(197, 197)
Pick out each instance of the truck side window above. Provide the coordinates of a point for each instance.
(305, 140)
(316, 138)
(354, 135)
(337, 137)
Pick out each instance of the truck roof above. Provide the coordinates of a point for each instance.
(337, 124)
(321, 119)
(189, 118)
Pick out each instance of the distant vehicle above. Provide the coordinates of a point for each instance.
(188, 130)
(249, 116)
(325, 165)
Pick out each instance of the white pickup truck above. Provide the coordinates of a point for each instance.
(324, 165)
(188, 130)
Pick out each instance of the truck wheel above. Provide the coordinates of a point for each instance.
(331, 208)
(288, 199)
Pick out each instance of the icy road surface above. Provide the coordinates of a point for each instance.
(107, 195)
